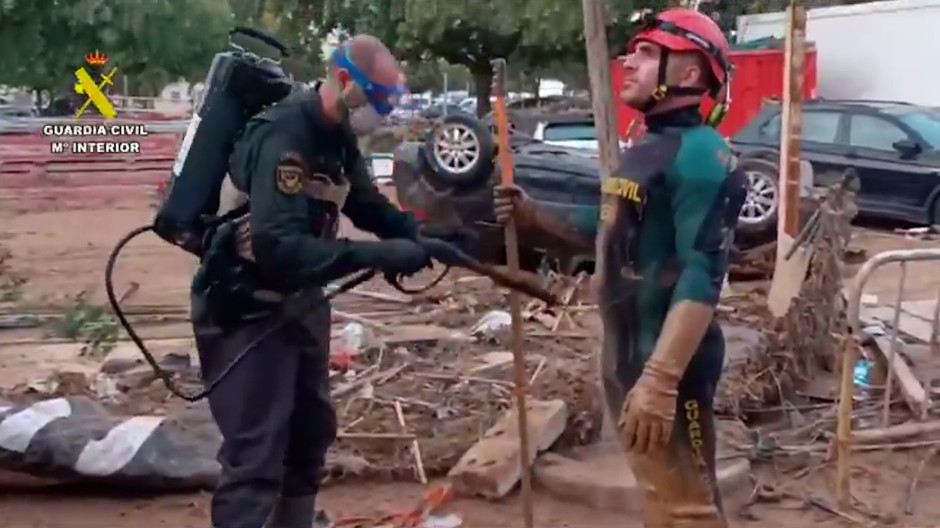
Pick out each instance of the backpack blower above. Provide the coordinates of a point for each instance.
(239, 85)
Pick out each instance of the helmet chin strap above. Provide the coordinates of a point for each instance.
(663, 90)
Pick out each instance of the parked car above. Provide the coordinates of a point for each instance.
(437, 111)
(894, 148)
(469, 105)
(9, 110)
(572, 128)
(448, 179)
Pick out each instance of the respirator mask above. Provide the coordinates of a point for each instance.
(363, 117)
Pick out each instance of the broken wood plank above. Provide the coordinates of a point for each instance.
(491, 468)
(420, 333)
(895, 433)
(379, 296)
(910, 324)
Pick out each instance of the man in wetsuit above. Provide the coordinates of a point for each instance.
(299, 166)
(666, 217)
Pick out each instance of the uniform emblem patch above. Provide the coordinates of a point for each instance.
(291, 171)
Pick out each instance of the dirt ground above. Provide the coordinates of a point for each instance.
(61, 233)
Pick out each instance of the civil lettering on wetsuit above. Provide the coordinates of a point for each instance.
(623, 188)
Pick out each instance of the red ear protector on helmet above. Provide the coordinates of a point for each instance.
(671, 31)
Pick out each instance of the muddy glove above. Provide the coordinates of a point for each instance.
(510, 201)
(464, 239)
(649, 410)
(396, 257)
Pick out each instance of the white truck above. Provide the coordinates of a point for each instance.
(870, 51)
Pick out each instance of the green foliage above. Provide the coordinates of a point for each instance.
(89, 324)
(154, 42)
(292, 25)
(532, 34)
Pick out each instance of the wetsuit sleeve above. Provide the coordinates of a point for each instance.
(288, 256)
(701, 205)
(369, 209)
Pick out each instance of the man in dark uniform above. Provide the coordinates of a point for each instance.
(300, 167)
(666, 218)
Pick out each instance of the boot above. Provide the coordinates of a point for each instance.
(677, 491)
(298, 512)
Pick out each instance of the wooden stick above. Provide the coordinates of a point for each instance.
(515, 310)
(844, 428)
(458, 377)
(415, 447)
(893, 347)
(605, 123)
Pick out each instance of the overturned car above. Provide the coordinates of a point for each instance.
(449, 177)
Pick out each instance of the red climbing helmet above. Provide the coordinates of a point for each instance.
(687, 30)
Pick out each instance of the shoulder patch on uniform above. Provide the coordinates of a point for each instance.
(291, 172)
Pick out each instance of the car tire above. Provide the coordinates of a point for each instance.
(460, 149)
(759, 213)
(934, 218)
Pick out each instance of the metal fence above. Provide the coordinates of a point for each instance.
(896, 366)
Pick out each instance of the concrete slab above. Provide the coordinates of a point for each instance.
(598, 476)
(491, 468)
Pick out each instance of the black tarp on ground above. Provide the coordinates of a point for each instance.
(75, 438)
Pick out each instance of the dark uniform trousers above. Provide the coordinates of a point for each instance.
(679, 481)
(273, 409)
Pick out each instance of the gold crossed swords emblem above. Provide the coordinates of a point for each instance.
(87, 86)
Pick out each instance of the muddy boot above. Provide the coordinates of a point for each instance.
(298, 512)
(675, 497)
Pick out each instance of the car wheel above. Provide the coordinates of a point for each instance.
(935, 213)
(460, 150)
(759, 212)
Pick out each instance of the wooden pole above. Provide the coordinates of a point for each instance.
(844, 427)
(602, 96)
(605, 122)
(789, 273)
(515, 310)
(788, 220)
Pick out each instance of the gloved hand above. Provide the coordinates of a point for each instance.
(467, 240)
(399, 256)
(649, 410)
(511, 202)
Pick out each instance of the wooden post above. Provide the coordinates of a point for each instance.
(788, 221)
(515, 311)
(790, 273)
(605, 122)
(844, 425)
(602, 96)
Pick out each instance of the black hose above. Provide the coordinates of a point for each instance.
(210, 385)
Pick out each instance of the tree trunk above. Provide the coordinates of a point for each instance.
(482, 83)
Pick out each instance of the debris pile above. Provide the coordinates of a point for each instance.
(806, 340)
(411, 396)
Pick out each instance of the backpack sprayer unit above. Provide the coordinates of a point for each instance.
(239, 85)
